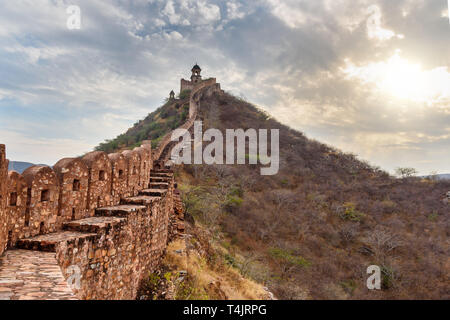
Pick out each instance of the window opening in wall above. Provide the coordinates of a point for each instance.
(13, 199)
(76, 185)
(45, 195)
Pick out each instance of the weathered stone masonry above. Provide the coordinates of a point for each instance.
(102, 219)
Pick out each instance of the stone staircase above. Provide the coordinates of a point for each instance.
(37, 274)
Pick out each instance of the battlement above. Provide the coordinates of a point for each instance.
(43, 199)
(110, 216)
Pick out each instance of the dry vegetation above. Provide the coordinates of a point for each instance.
(311, 231)
(194, 270)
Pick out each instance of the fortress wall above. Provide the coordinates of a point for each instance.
(16, 206)
(114, 261)
(134, 165)
(119, 187)
(3, 192)
(73, 177)
(42, 200)
(100, 172)
(114, 258)
(211, 86)
(186, 85)
(145, 155)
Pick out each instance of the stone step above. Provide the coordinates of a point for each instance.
(119, 211)
(94, 224)
(161, 171)
(141, 200)
(159, 179)
(161, 174)
(153, 192)
(32, 275)
(48, 242)
(159, 185)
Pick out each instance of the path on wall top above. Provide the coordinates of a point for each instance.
(162, 152)
(31, 275)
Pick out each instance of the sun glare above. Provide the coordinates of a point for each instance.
(404, 80)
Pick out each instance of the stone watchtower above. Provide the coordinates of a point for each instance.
(196, 77)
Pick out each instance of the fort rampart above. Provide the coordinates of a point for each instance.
(105, 217)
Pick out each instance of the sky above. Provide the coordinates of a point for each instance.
(368, 77)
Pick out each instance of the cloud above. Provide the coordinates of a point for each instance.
(370, 81)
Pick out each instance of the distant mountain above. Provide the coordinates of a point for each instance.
(444, 176)
(20, 166)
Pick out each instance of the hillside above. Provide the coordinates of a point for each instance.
(166, 118)
(311, 231)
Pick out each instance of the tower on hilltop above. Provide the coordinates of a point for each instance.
(196, 76)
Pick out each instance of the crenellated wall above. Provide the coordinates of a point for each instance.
(73, 178)
(16, 206)
(119, 186)
(100, 177)
(98, 213)
(42, 201)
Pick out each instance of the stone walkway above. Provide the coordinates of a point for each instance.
(32, 275)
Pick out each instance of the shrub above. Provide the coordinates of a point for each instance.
(184, 94)
(289, 257)
(349, 212)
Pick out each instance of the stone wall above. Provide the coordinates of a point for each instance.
(186, 85)
(119, 187)
(73, 177)
(16, 206)
(208, 87)
(134, 165)
(42, 201)
(3, 192)
(100, 173)
(145, 157)
(99, 213)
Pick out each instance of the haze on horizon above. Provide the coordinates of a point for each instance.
(368, 77)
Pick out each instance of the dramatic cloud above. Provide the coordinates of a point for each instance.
(370, 77)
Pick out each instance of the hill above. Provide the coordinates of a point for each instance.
(166, 118)
(312, 230)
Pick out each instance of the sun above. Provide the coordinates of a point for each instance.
(404, 80)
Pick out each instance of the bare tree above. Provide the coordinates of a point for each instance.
(405, 172)
(383, 242)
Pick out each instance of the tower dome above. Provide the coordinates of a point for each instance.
(196, 74)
